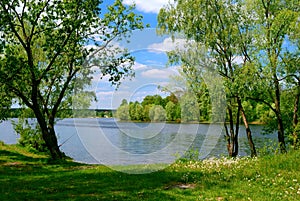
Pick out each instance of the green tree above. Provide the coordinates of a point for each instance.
(148, 100)
(124, 102)
(177, 117)
(46, 56)
(214, 26)
(158, 100)
(146, 112)
(132, 111)
(189, 108)
(292, 85)
(171, 111)
(138, 112)
(172, 98)
(274, 23)
(122, 113)
(157, 113)
(155, 99)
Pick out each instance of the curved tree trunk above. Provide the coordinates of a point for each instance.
(48, 134)
(248, 130)
(249, 135)
(53, 145)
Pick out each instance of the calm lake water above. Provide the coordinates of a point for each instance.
(110, 142)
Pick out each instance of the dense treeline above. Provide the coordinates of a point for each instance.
(186, 108)
(152, 108)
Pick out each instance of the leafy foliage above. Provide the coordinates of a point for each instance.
(29, 131)
(52, 48)
(253, 45)
(157, 113)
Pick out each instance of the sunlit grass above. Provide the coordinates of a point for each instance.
(28, 176)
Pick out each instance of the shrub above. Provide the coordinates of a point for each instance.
(30, 135)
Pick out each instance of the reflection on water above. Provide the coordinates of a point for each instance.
(110, 142)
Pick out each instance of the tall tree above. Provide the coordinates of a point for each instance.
(292, 83)
(274, 22)
(46, 53)
(213, 25)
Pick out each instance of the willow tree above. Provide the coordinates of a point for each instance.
(51, 47)
(215, 25)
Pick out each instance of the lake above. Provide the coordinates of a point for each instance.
(109, 142)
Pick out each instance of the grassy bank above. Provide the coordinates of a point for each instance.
(27, 176)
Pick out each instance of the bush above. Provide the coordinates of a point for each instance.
(30, 135)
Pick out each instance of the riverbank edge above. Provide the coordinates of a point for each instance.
(190, 122)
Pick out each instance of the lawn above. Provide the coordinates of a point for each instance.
(28, 176)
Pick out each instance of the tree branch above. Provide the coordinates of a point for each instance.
(55, 56)
(290, 75)
(62, 93)
(12, 25)
(36, 20)
(263, 101)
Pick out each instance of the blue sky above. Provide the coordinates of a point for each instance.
(150, 65)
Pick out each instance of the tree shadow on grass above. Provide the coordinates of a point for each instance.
(74, 181)
(89, 186)
(14, 156)
(36, 179)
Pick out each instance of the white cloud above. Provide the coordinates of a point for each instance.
(158, 74)
(139, 66)
(105, 93)
(150, 6)
(167, 45)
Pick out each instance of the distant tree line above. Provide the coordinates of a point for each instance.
(184, 108)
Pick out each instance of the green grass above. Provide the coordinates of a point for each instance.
(28, 176)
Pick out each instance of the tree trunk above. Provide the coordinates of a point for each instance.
(280, 127)
(237, 128)
(232, 139)
(295, 119)
(249, 135)
(248, 130)
(228, 139)
(281, 134)
(48, 134)
(51, 143)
